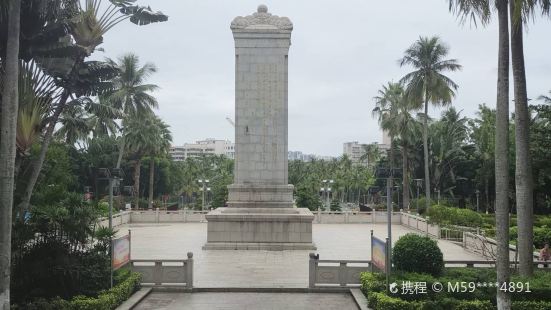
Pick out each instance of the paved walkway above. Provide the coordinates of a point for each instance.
(247, 301)
(262, 268)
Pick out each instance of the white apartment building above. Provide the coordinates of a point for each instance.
(355, 150)
(204, 147)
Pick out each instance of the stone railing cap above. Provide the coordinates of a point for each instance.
(262, 20)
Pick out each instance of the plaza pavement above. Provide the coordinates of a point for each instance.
(247, 301)
(262, 269)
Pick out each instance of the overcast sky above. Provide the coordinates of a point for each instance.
(341, 54)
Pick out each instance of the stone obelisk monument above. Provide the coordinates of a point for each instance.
(260, 213)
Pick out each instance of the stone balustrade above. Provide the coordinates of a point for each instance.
(346, 273)
(172, 272)
(336, 273)
(420, 224)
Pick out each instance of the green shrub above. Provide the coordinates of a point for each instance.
(383, 302)
(372, 282)
(542, 221)
(532, 305)
(454, 216)
(335, 205)
(420, 205)
(414, 253)
(474, 305)
(106, 300)
(541, 235)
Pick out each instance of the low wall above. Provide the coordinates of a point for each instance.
(119, 219)
(161, 216)
(353, 217)
(486, 247)
(420, 224)
(165, 272)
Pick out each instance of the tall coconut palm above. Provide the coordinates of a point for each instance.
(393, 109)
(481, 9)
(160, 147)
(132, 95)
(142, 134)
(448, 149)
(8, 132)
(371, 153)
(520, 12)
(428, 84)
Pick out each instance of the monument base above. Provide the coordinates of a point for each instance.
(259, 229)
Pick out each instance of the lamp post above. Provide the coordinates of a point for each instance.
(204, 188)
(418, 182)
(397, 187)
(115, 174)
(477, 192)
(326, 190)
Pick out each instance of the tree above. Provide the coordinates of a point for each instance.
(447, 143)
(521, 11)
(8, 135)
(483, 138)
(371, 154)
(428, 83)
(142, 134)
(131, 94)
(82, 25)
(159, 147)
(394, 112)
(480, 9)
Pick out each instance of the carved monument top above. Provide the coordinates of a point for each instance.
(262, 20)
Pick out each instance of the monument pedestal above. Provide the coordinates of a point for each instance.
(259, 229)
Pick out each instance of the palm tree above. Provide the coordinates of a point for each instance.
(448, 137)
(483, 136)
(160, 147)
(428, 84)
(481, 9)
(131, 94)
(87, 23)
(143, 134)
(520, 12)
(8, 134)
(393, 110)
(371, 154)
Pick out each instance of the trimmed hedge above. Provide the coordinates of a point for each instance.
(106, 300)
(454, 216)
(416, 253)
(532, 305)
(381, 301)
(374, 287)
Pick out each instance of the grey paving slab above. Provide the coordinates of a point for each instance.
(248, 301)
(262, 268)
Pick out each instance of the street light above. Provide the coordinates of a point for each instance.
(204, 189)
(115, 174)
(438, 193)
(326, 190)
(418, 182)
(477, 192)
(397, 187)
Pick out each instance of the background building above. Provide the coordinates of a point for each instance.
(203, 147)
(298, 155)
(355, 150)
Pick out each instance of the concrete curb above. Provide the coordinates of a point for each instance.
(176, 289)
(135, 299)
(359, 298)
